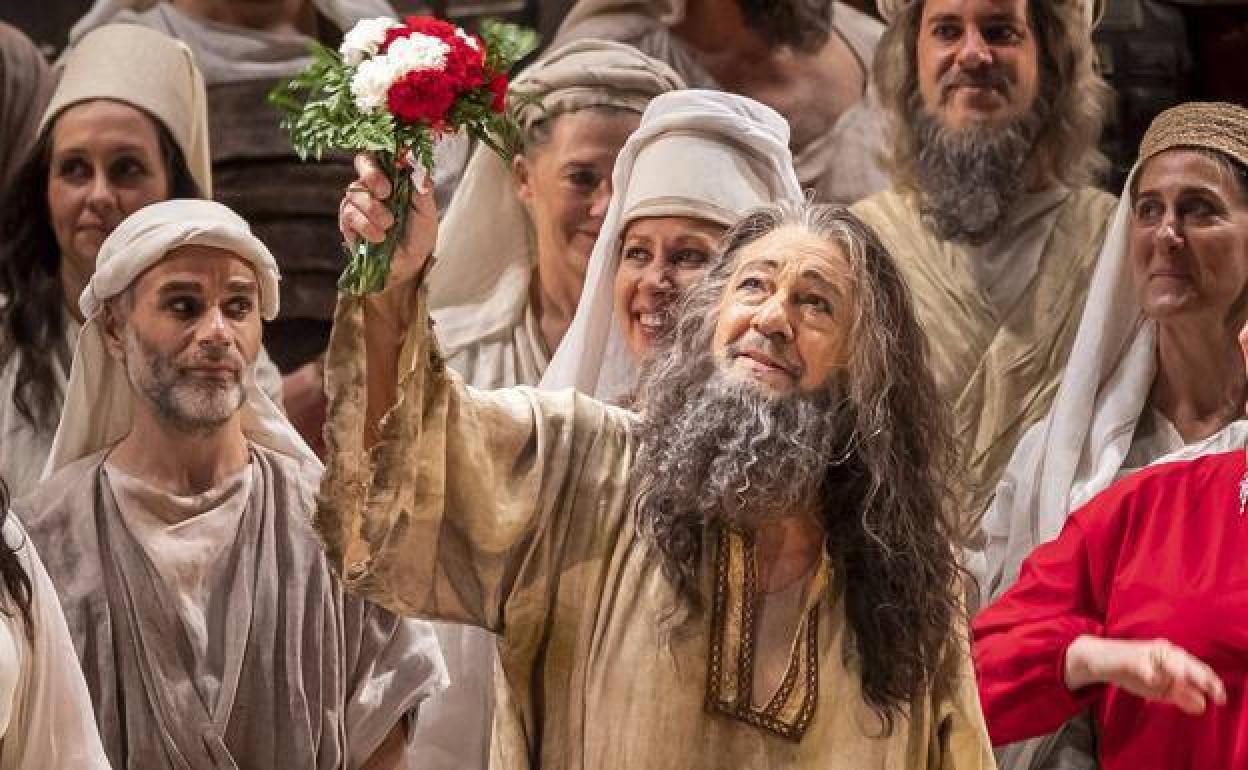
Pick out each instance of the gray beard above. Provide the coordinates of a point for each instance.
(182, 404)
(729, 452)
(970, 179)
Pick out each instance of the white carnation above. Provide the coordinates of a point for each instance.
(371, 82)
(416, 53)
(364, 40)
(469, 39)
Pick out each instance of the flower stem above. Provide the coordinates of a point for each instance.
(369, 263)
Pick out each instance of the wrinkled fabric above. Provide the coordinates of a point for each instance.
(998, 366)
(46, 720)
(481, 287)
(225, 52)
(312, 677)
(841, 166)
(700, 154)
(25, 87)
(1158, 555)
(511, 510)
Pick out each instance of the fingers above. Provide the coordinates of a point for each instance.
(1180, 678)
(363, 215)
(371, 176)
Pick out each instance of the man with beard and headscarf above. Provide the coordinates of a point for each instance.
(754, 569)
(175, 522)
(996, 108)
(810, 60)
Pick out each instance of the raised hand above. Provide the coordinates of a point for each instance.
(1155, 670)
(363, 214)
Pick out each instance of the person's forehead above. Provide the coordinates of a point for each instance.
(1182, 166)
(974, 9)
(791, 248)
(205, 265)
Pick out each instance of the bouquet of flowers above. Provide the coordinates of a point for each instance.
(392, 89)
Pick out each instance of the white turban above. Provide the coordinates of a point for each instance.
(1093, 9)
(701, 154)
(98, 401)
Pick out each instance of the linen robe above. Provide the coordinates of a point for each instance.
(999, 367)
(511, 510)
(312, 678)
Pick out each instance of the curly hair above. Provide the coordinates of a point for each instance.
(1073, 99)
(32, 321)
(884, 493)
(16, 581)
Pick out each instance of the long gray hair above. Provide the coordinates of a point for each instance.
(882, 486)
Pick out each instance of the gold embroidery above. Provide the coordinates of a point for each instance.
(730, 668)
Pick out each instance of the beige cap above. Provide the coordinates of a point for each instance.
(145, 69)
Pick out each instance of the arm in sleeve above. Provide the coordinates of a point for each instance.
(460, 491)
(1020, 641)
(52, 724)
(394, 666)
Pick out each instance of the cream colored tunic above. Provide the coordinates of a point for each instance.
(511, 510)
(1000, 320)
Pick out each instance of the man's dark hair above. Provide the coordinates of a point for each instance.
(804, 25)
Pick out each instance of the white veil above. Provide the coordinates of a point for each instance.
(706, 154)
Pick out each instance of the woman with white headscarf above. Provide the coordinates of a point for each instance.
(515, 242)
(697, 163)
(1155, 377)
(127, 126)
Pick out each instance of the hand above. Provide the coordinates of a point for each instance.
(1154, 670)
(364, 214)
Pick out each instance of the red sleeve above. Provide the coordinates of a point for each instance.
(1020, 641)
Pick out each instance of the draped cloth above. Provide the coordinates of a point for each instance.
(512, 510)
(841, 166)
(700, 154)
(1079, 448)
(997, 363)
(1158, 555)
(98, 401)
(226, 52)
(144, 69)
(480, 288)
(311, 677)
(45, 710)
(25, 87)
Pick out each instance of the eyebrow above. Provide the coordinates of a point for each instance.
(817, 277)
(234, 285)
(770, 264)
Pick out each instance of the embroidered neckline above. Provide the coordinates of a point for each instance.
(730, 669)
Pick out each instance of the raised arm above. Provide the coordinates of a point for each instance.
(463, 492)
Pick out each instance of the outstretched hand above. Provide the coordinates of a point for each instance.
(363, 214)
(1155, 670)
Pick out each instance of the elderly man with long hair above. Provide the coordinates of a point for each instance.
(753, 568)
(995, 108)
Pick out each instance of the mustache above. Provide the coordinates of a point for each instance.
(991, 77)
(753, 342)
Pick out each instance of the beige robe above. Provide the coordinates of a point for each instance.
(511, 510)
(998, 363)
(268, 665)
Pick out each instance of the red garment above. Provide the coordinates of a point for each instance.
(1161, 554)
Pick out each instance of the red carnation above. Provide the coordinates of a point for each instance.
(498, 87)
(424, 95)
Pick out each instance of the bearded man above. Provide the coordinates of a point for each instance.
(810, 60)
(996, 108)
(754, 569)
(176, 524)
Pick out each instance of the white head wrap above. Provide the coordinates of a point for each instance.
(702, 154)
(98, 400)
(147, 70)
(1093, 9)
(480, 283)
(1079, 448)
